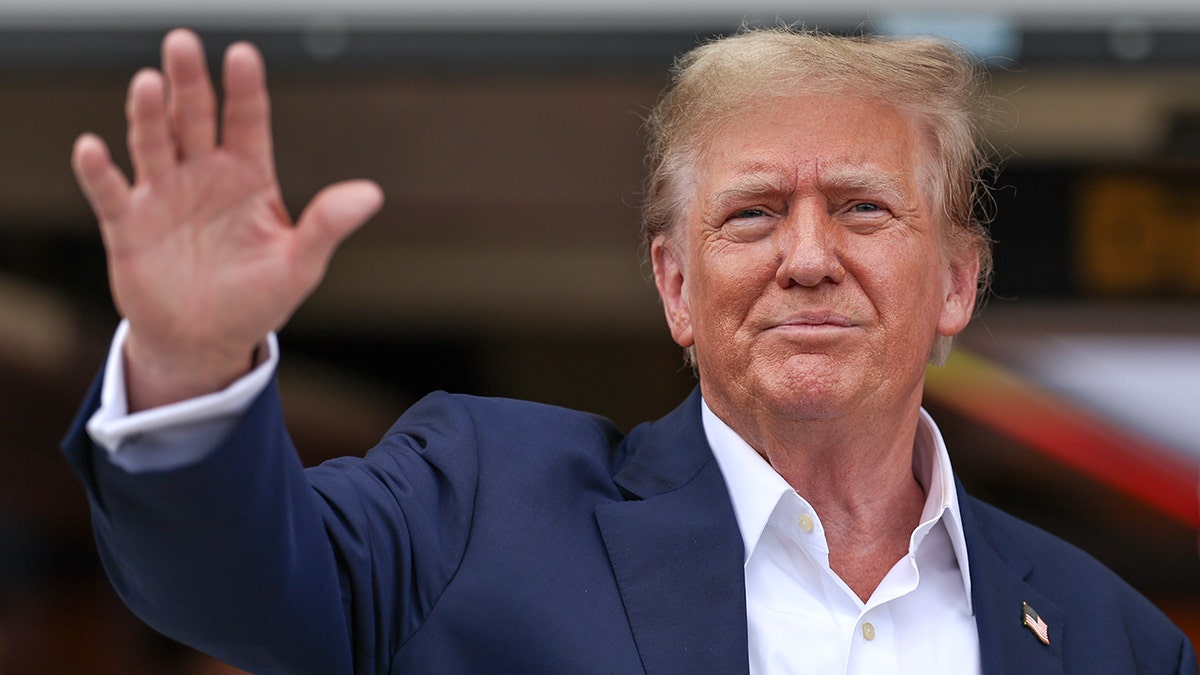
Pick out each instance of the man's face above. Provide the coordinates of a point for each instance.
(807, 270)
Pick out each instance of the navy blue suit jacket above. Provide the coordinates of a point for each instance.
(490, 535)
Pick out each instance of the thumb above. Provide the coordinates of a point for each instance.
(334, 214)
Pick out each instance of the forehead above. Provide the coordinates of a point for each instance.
(822, 141)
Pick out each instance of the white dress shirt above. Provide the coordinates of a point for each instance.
(173, 435)
(802, 617)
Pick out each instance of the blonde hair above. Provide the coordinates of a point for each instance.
(933, 80)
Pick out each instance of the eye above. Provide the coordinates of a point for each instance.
(749, 224)
(748, 213)
(866, 217)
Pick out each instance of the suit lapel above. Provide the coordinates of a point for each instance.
(676, 551)
(998, 592)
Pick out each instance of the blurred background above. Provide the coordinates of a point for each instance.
(506, 260)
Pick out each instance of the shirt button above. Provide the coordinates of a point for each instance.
(806, 522)
(868, 631)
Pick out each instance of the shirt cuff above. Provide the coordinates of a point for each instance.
(175, 435)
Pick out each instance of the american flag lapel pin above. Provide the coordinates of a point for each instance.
(1035, 623)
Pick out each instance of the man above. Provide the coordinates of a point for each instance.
(809, 220)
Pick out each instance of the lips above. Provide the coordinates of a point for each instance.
(831, 319)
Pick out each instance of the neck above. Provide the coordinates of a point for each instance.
(857, 472)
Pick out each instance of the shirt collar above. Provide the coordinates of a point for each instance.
(755, 488)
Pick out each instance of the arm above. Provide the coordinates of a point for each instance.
(228, 552)
(246, 556)
(1188, 665)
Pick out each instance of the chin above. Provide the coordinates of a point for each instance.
(804, 393)
(800, 405)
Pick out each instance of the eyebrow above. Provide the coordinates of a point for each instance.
(868, 179)
(757, 182)
(754, 184)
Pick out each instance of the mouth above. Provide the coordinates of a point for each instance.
(814, 320)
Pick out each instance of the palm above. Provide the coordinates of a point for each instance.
(203, 258)
(206, 249)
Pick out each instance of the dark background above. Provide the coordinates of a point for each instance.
(506, 262)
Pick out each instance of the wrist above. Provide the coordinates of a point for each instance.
(157, 377)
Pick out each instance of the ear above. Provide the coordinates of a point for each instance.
(960, 283)
(672, 289)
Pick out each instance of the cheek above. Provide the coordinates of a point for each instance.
(904, 288)
(720, 298)
(727, 287)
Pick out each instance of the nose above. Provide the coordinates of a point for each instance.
(809, 249)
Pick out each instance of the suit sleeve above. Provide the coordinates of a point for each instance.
(272, 568)
(1187, 661)
(226, 554)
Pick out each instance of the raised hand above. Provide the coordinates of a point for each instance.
(203, 258)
